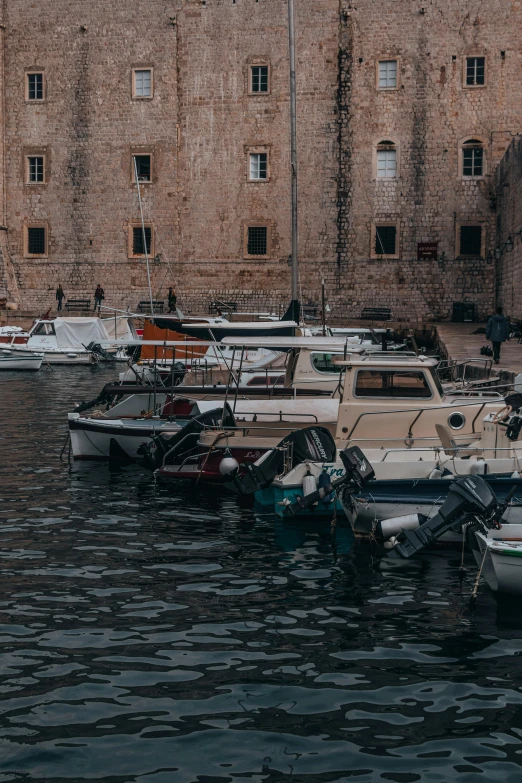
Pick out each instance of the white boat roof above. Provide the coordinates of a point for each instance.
(319, 343)
(162, 343)
(383, 359)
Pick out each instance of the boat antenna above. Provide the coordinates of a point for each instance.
(293, 147)
(144, 237)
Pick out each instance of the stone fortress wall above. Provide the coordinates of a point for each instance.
(202, 121)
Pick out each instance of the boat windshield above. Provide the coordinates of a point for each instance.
(436, 382)
(44, 329)
(392, 384)
(322, 362)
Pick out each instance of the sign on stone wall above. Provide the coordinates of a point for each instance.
(427, 250)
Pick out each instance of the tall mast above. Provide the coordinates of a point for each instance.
(293, 147)
(144, 236)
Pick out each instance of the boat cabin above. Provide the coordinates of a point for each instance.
(399, 399)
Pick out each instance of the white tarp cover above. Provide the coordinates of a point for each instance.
(119, 330)
(79, 332)
(12, 330)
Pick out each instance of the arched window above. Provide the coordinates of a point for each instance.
(472, 158)
(386, 159)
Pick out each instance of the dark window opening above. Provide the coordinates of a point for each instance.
(472, 159)
(384, 383)
(471, 241)
(260, 78)
(322, 362)
(138, 247)
(36, 169)
(257, 241)
(35, 86)
(475, 71)
(143, 167)
(36, 241)
(263, 380)
(385, 240)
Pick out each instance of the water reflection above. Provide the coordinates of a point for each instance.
(152, 633)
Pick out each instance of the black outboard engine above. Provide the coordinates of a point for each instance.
(358, 472)
(178, 445)
(100, 352)
(469, 499)
(312, 444)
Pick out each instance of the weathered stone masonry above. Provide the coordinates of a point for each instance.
(201, 122)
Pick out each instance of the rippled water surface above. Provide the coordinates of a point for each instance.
(165, 635)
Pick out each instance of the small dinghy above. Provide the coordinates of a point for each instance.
(16, 358)
(499, 554)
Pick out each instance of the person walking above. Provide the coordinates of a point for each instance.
(172, 300)
(497, 332)
(60, 296)
(99, 296)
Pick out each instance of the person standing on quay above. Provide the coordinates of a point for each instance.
(99, 296)
(60, 296)
(172, 300)
(497, 331)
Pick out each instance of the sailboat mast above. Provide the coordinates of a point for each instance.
(293, 148)
(144, 236)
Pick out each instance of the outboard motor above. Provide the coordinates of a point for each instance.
(358, 472)
(312, 444)
(185, 440)
(468, 499)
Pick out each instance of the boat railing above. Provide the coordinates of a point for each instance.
(418, 414)
(454, 366)
(440, 450)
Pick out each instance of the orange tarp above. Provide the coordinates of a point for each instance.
(151, 332)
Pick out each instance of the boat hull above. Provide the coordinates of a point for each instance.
(384, 499)
(13, 360)
(502, 562)
(106, 439)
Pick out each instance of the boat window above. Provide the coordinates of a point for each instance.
(322, 362)
(392, 384)
(44, 329)
(437, 383)
(262, 380)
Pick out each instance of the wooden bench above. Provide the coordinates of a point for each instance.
(376, 314)
(229, 307)
(144, 305)
(78, 304)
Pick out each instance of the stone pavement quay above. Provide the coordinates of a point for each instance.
(460, 342)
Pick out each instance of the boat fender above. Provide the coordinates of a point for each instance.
(228, 466)
(387, 528)
(324, 481)
(309, 484)
(515, 474)
(478, 468)
(436, 473)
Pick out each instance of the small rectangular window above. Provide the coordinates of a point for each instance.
(35, 169)
(475, 71)
(471, 241)
(387, 75)
(472, 161)
(35, 88)
(142, 83)
(257, 244)
(143, 168)
(36, 241)
(259, 78)
(385, 240)
(391, 384)
(387, 163)
(258, 165)
(138, 246)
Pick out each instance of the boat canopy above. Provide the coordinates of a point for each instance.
(79, 332)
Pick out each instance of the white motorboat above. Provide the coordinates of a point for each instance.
(19, 358)
(500, 555)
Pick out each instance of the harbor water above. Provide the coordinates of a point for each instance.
(163, 634)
